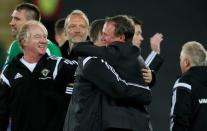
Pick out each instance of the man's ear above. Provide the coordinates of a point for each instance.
(187, 63)
(22, 40)
(122, 37)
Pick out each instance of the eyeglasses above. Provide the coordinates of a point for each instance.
(38, 36)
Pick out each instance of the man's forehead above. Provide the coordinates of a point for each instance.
(19, 13)
(109, 26)
(110, 23)
(36, 29)
(76, 19)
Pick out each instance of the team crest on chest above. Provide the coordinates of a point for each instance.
(45, 72)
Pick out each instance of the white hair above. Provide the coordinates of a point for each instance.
(196, 53)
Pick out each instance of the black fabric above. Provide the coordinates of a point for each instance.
(36, 100)
(156, 63)
(121, 55)
(84, 110)
(115, 112)
(98, 89)
(88, 49)
(66, 51)
(189, 112)
(117, 129)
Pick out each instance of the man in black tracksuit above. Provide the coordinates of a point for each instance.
(189, 101)
(99, 88)
(116, 114)
(32, 89)
(154, 61)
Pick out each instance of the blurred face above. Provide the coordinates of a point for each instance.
(36, 44)
(77, 29)
(137, 38)
(18, 19)
(99, 41)
(109, 33)
(60, 38)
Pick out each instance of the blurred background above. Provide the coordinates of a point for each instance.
(179, 21)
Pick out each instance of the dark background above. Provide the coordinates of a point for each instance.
(179, 21)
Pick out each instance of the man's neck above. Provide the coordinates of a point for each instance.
(32, 59)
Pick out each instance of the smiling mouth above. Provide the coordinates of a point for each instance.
(42, 46)
(13, 29)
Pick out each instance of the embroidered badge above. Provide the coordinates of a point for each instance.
(45, 72)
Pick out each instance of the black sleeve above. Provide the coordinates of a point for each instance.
(4, 105)
(66, 71)
(106, 79)
(154, 61)
(85, 49)
(181, 109)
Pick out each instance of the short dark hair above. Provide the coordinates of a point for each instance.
(95, 27)
(59, 26)
(123, 26)
(33, 11)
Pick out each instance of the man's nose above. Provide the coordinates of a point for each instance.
(11, 22)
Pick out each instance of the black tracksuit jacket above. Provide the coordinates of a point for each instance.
(189, 101)
(154, 60)
(99, 89)
(115, 113)
(35, 101)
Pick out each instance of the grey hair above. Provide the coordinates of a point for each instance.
(24, 33)
(77, 12)
(196, 52)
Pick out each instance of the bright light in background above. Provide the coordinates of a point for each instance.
(49, 8)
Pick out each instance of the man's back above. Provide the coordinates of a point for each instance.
(98, 89)
(190, 105)
(123, 57)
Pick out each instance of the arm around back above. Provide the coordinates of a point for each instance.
(100, 73)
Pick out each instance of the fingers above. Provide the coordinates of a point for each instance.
(147, 81)
(147, 75)
(158, 36)
(155, 42)
(146, 67)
